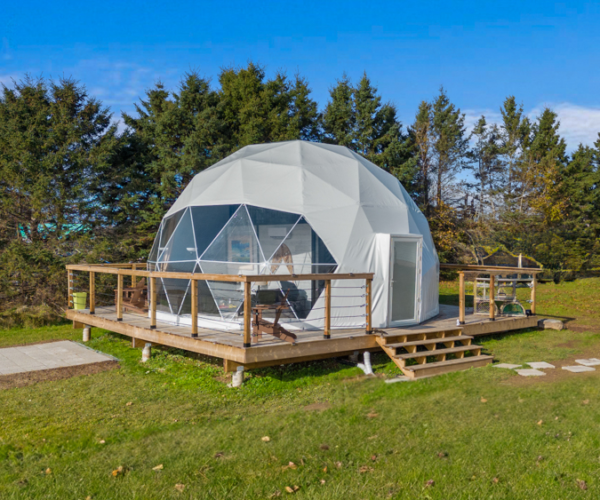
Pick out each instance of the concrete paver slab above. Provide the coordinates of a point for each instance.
(47, 356)
(530, 372)
(540, 365)
(507, 366)
(579, 369)
(588, 362)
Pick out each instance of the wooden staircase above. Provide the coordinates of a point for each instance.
(426, 354)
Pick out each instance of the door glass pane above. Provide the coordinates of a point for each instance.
(404, 279)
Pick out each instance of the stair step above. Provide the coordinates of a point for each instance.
(430, 341)
(439, 367)
(393, 338)
(436, 352)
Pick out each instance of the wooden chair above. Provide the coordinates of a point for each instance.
(260, 325)
(135, 299)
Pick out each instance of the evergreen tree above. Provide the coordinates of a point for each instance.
(449, 144)
(356, 118)
(420, 140)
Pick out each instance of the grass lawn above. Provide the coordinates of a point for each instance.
(333, 433)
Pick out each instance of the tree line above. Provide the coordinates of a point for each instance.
(73, 187)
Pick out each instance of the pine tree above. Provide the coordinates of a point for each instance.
(449, 144)
(420, 140)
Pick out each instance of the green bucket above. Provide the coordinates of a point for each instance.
(79, 300)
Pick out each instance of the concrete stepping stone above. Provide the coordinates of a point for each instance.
(507, 366)
(588, 362)
(579, 369)
(540, 365)
(530, 372)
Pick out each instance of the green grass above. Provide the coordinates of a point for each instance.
(437, 429)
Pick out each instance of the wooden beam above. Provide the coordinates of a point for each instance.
(492, 297)
(369, 306)
(92, 292)
(483, 269)
(70, 284)
(133, 268)
(152, 303)
(327, 331)
(120, 297)
(461, 298)
(265, 278)
(194, 290)
(230, 366)
(247, 313)
(533, 293)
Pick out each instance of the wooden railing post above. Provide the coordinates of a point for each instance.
(492, 297)
(92, 292)
(327, 329)
(70, 284)
(133, 268)
(247, 313)
(369, 305)
(119, 297)
(194, 290)
(461, 298)
(153, 303)
(533, 292)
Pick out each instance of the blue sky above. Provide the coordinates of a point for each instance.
(544, 53)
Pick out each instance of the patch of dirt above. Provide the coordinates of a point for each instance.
(317, 407)
(582, 328)
(30, 378)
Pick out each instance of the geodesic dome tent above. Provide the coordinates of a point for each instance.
(297, 208)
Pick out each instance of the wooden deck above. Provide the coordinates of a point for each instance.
(269, 351)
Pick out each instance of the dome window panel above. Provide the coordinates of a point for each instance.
(208, 222)
(182, 244)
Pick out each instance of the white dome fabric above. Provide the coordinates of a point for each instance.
(354, 206)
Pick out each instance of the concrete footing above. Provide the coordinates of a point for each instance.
(146, 352)
(87, 333)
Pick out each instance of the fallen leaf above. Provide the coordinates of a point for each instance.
(586, 402)
(180, 487)
(365, 468)
(119, 470)
(373, 458)
(322, 481)
(540, 422)
(581, 484)
(338, 465)
(158, 467)
(430, 483)
(48, 470)
(129, 403)
(442, 454)
(88, 497)
(219, 454)
(266, 439)
(372, 415)
(325, 469)
(275, 494)
(289, 489)
(292, 465)
(324, 447)
(495, 480)
(102, 441)
(372, 437)
(483, 400)
(540, 458)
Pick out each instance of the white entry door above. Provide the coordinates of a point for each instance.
(404, 280)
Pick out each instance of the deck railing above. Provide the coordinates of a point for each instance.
(474, 272)
(133, 271)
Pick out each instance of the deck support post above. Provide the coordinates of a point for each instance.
(194, 290)
(87, 333)
(70, 304)
(247, 313)
(533, 293)
(92, 292)
(492, 297)
(119, 297)
(369, 305)
(152, 303)
(461, 298)
(133, 268)
(327, 329)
